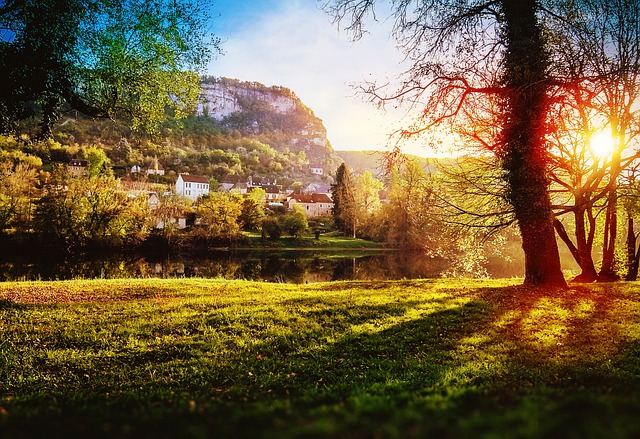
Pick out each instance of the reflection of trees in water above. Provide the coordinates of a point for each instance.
(390, 265)
(60, 266)
(288, 267)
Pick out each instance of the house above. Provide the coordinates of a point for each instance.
(180, 223)
(230, 180)
(255, 181)
(153, 201)
(313, 205)
(155, 168)
(78, 168)
(240, 188)
(316, 169)
(192, 186)
(273, 193)
(135, 169)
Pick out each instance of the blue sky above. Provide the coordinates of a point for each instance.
(292, 43)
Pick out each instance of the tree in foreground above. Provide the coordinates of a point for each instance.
(465, 54)
(128, 59)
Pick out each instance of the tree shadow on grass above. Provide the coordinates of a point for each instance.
(566, 357)
(511, 362)
(491, 362)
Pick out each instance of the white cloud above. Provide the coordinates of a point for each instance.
(296, 45)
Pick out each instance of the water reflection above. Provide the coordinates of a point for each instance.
(270, 266)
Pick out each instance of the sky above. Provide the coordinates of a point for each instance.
(294, 44)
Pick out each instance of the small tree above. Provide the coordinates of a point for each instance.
(97, 162)
(81, 212)
(253, 209)
(271, 228)
(220, 212)
(295, 221)
(171, 207)
(17, 187)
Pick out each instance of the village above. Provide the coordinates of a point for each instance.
(314, 199)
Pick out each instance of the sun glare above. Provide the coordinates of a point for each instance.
(602, 144)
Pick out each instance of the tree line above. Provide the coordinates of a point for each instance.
(94, 211)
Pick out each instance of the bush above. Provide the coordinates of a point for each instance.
(271, 228)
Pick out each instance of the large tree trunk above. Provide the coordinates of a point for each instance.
(525, 155)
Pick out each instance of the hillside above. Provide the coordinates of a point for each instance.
(239, 127)
(272, 112)
(374, 161)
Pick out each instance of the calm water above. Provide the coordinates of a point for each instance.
(269, 266)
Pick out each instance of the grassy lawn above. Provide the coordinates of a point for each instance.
(213, 358)
(333, 240)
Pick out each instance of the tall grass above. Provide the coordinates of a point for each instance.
(214, 358)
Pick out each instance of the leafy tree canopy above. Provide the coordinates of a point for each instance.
(129, 59)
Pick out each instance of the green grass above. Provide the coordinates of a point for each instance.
(213, 358)
(332, 240)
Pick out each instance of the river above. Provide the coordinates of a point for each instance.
(268, 266)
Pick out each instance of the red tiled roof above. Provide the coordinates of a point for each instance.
(231, 179)
(311, 198)
(194, 178)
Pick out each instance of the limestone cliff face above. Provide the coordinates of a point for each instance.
(255, 109)
(224, 98)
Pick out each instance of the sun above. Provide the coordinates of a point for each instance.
(602, 144)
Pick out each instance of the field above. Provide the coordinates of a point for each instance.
(214, 358)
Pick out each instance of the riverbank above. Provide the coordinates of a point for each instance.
(190, 244)
(205, 358)
(332, 241)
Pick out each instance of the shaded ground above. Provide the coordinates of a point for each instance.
(202, 358)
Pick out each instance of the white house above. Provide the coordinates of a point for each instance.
(192, 186)
(155, 168)
(316, 169)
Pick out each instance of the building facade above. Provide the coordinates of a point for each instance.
(192, 186)
(313, 205)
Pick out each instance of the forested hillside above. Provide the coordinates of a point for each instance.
(238, 128)
(376, 161)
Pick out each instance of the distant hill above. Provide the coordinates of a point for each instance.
(374, 161)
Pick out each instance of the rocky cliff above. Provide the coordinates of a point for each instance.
(251, 108)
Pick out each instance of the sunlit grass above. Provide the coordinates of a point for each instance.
(199, 358)
(326, 240)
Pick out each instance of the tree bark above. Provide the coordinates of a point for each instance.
(633, 255)
(608, 269)
(525, 155)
